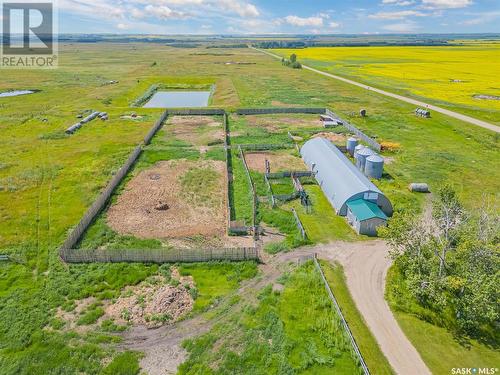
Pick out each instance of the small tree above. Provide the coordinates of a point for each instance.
(293, 58)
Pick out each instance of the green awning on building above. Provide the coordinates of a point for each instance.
(365, 210)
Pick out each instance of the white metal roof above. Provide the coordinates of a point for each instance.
(339, 178)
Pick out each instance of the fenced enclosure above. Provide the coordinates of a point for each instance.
(265, 147)
(101, 201)
(196, 112)
(341, 315)
(159, 255)
(299, 224)
(253, 192)
(157, 125)
(374, 144)
(270, 111)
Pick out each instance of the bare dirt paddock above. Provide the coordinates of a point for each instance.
(280, 161)
(276, 123)
(197, 130)
(173, 199)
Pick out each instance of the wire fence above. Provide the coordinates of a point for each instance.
(299, 224)
(285, 174)
(341, 315)
(158, 255)
(253, 192)
(264, 147)
(374, 144)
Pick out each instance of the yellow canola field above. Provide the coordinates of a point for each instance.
(452, 74)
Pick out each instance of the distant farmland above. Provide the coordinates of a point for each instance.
(458, 77)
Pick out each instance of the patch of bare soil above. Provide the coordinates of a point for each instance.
(271, 235)
(333, 137)
(155, 205)
(198, 130)
(279, 161)
(71, 317)
(154, 303)
(273, 124)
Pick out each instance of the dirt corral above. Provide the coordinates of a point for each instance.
(280, 161)
(276, 123)
(173, 199)
(197, 130)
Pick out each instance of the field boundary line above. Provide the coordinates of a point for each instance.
(444, 111)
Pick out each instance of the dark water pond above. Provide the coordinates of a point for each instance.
(15, 93)
(178, 99)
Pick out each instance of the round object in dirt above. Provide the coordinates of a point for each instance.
(154, 177)
(162, 206)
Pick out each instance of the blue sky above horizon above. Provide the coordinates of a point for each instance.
(278, 16)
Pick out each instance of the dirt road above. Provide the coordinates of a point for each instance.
(459, 116)
(365, 265)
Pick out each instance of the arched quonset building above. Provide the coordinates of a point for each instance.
(349, 191)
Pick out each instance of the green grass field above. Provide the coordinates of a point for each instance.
(374, 358)
(440, 348)
(293, 331)
(48, 180)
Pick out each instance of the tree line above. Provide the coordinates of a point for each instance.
(450, 262)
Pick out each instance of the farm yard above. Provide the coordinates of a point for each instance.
(187, 189)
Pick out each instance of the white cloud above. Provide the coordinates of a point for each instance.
(396, 15)
(403, 27)
(163, 12)
(481, 18)
(301, 21)
(122, 26)
(446, 4)
(334, 25)
(400, 3)
(243, 9)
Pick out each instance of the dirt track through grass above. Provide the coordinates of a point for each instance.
(365, 267)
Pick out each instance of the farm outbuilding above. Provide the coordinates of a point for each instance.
(343, 183)
(365, 217)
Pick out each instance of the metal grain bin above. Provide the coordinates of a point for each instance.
(361, 157)
(374, 166)
(351, 144)
(419, 187)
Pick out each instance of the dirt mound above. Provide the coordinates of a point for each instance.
(162, 202)
(153, 304)
(279, 161)
(197, 130)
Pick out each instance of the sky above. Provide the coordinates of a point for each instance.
(278, 16)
